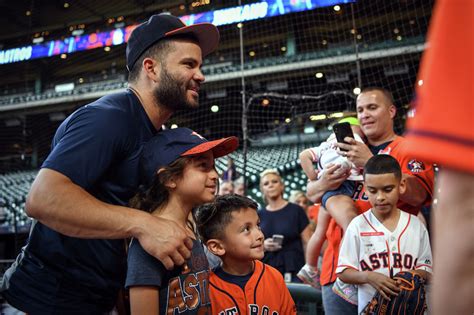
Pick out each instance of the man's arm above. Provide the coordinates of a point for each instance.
(57, 202)
(332, 178)
(359, 153)
(415, 194)
(453, 235)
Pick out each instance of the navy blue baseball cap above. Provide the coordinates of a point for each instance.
(168, 145)
(164, 25)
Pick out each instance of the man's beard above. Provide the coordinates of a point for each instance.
(171, 93)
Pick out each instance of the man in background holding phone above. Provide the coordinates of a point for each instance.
(338, 202)
(375, 111)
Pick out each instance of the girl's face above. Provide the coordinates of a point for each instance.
(271, 186)
(199, 181)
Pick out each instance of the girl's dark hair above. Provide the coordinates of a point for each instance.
(157, 195)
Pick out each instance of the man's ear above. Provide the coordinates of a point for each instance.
(152, 68)
(403, 184)
(393, 111)
(216, 247)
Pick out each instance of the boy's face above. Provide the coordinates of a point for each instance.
(383, 191)
(243, 238)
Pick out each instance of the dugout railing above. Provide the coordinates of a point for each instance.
(308, 300)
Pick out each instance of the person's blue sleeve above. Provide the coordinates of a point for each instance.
(302, 218)
(143, 269)
(89, 143)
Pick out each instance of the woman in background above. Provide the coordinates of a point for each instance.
(280, 217)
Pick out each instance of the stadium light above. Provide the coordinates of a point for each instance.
(214, 108)
(356, 90)
(64, 87)
(78, 32)
(309, 129)
(317, 117)
(337, 8)
(174, 126)
(38, 40)
(319, 75)
(336, 115)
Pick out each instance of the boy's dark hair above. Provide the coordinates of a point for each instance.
(212, 218)
(157, 194)
(383, 164)
(157, 51)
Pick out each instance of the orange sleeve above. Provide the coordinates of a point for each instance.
(442, 128)
(421, 170)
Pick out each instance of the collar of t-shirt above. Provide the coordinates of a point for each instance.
(143, 113)
(241, 281)
(375, 149)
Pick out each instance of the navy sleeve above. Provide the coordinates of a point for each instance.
(87, 144)
(302, 218)
(143, 269)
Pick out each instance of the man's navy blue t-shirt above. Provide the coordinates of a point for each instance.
(98, 148)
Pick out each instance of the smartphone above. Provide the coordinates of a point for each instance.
(342, 130)
(277, 238)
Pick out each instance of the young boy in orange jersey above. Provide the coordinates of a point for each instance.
(242, 284)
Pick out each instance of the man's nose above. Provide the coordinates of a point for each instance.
(199, 76)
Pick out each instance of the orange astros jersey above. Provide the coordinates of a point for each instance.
(265, 293)
(441, 130)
